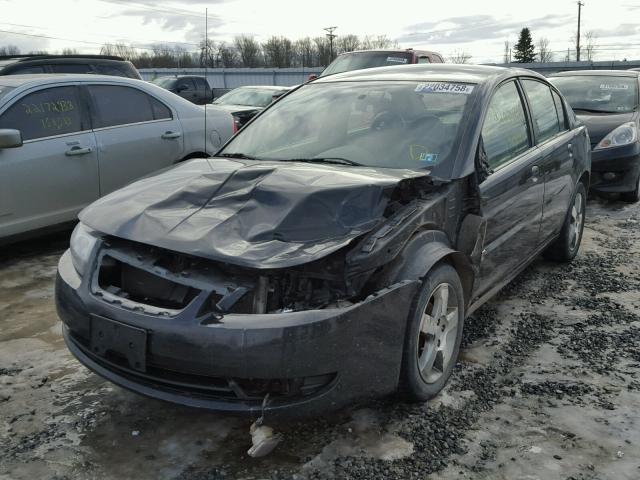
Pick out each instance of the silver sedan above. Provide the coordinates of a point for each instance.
(66, 140)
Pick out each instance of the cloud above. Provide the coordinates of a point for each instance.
(474, 27)
(622, 30)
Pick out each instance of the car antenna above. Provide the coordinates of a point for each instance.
(206, 79)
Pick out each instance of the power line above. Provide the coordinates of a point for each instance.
(117, 37)
(144, 6)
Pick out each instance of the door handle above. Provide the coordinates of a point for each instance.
(168, 135)
(73, 151)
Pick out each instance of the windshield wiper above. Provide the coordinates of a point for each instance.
(594, 110)
(243, 156)
(332, 160)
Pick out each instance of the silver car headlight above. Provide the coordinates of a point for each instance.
(82, 242)
(625, 134)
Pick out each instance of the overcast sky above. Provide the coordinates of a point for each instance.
(478, 28)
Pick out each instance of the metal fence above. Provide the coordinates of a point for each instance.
(555, 67)
(238, 77)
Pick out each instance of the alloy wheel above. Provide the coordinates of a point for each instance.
(575, 222)
(437, 333)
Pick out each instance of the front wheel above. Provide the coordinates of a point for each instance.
(566, 246)
(434, 333)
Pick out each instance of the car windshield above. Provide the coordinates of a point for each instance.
(398, 124)
(164, 82)
(251, 97)
(599, 93)
(4, 90)
(359, 60)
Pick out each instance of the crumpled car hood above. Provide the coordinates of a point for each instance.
(250, 213)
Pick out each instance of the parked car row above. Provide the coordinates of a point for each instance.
(383, 205)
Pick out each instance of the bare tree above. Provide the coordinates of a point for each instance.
(118, 49)
(248, 49)
(9, 50)
(544, 52)
(323, 51)
(379, 41)
(305, 52)
(347, 43)
(460, 56)
(207, 57)
(278, 52)
(591, 44)
(507, 56)
(69, 51)
(226, 55)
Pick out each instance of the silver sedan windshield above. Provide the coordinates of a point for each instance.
(395, 124)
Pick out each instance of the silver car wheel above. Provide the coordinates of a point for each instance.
(437, 333)
(577, 217)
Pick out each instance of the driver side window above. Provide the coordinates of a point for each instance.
(505, 132)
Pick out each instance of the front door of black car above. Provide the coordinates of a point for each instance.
(555, 142)
(512, 194)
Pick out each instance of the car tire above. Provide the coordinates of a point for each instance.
(433, 334)
(633, 196)
(566, 246)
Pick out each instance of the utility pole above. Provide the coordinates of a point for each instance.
(580, 5)
(330, 36)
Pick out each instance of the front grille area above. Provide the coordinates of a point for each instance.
(248, 391)
(131, 283)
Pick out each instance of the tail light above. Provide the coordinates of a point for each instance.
(235, 125)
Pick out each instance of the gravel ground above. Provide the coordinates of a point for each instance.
(547, 387)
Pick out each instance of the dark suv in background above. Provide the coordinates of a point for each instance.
(98, 64)
(190, 87)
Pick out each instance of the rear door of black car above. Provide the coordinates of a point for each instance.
(555, 141)
(512, 194)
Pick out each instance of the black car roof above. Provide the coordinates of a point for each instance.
(26, 58)
(609, 73)
(430, 71)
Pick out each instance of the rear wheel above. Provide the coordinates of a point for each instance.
(565, 248)
(433, 334)
(633, 196)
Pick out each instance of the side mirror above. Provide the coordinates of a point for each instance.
(313, 76)
(10, 138)
(181, 88)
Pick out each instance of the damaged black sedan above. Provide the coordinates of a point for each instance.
(332, 250)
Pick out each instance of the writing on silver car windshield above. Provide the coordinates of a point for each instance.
(599, 93)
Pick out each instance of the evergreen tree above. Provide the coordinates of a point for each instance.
(525, 50)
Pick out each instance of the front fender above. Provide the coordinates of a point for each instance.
(424, 251)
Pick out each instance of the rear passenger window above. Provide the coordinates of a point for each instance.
(45, 113)
(543, 109)
(116, 105)
(110, 70)
(562, 118)
(424, 59)
(27, 70)
(505, 132)
(70, 68)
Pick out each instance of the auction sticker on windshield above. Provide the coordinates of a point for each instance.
(397, 59)
(444, 87)
(613, 86)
